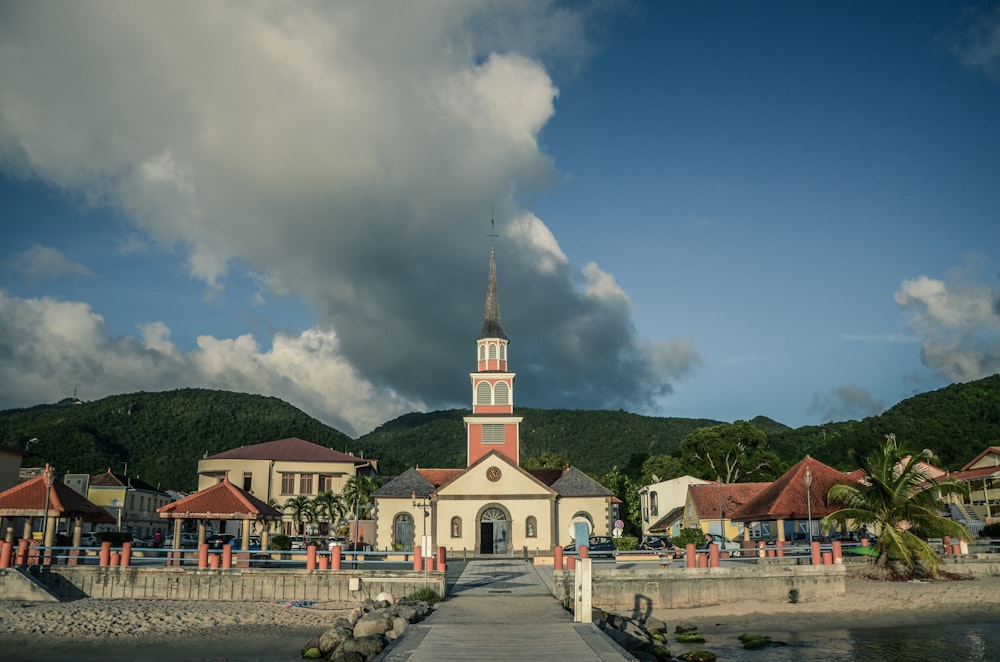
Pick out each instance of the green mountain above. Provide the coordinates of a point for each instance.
(158, 437)
(161, 436)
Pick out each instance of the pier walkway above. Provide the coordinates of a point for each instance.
(502, 609)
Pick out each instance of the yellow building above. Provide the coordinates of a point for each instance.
(492, 506)
(131, 501)
(282, 469)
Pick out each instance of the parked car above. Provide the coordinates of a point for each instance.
(189, 540)
(298, 542)
(219, 540)
(596, 546)
(657, 543)
(725, 544)
(89, 540)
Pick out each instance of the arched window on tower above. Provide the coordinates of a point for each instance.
(484, 394)
(501, 394)
(482, 352)
(503, 352)
(493, 351)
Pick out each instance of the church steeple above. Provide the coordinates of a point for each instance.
(492, 426)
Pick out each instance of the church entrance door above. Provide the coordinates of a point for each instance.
(494, 532)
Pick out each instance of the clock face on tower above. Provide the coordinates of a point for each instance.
(493, 474)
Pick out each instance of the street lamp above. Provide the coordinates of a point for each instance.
(808, 478)
(425, 505)
(50, 478)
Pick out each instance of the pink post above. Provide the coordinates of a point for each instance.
(585, 552)
(946, 544)
(22, 552)
(956, 548)
(203, 557)
(816, 558)
(227, 556)
(311, 557)
(126, 557)
(691, 556)
(838, 552)
(213, 561)
(713, 555)
(442, 559)
(571, 563)
(6, 550)
(115, 559)
(557, 557)
(827, 558)
(106, 553)
(335, 558)
(418, 558)
(324, 562)
(703, 560)
(780, 547)
(761, 551)
(864, 542)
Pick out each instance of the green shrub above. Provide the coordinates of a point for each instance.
(425, 594)
(626, 543)
(688, 537)
(280, 542)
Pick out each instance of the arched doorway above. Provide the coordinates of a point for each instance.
(402, 532)
(494, 531)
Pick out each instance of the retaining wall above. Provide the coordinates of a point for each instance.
(647, 589)
(237, 584)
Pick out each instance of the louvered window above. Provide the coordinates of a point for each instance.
(483, 393)
(493, 351)
(501, 394)
(482, 352)
(492, 433)
(503, 352)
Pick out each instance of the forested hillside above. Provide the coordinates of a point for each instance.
(159, 436)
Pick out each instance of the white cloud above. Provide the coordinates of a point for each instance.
(348, 155)
(977, 44)
(958, 321)
(847, 403)
(45, 263)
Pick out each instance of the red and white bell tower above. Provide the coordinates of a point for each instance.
(492, 426)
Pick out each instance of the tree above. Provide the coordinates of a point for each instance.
(329, 508)
(302, 511)
(897, 496)
(358, 493)
(664, 467)
(626, 490)
(732, 452)
(547, 460)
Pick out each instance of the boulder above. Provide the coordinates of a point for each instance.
(655, 625)
(332, 638)
(367, 647)
(341, 655)
(376, 623)
(684, 628)
(399, 625)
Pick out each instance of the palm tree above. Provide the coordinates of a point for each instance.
(358, 493)
(329, 508)
(900, 500)
(302, 510)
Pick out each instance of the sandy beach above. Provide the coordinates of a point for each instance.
(867, 604)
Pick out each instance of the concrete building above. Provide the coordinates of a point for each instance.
(276, 471)
(131, 501)
(492, 505)
(660, 501)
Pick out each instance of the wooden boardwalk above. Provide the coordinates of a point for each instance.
(502, 610)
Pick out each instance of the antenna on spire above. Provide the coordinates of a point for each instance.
(492, 233)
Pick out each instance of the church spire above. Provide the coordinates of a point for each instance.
(491, 321)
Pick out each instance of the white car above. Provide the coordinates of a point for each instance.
(88, 540)
(726, 545)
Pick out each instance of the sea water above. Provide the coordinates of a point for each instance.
(968, 642)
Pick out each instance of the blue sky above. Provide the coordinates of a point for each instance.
(711, 210)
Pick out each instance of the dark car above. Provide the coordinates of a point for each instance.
(657, 543)
(219, 540)
(596, 546)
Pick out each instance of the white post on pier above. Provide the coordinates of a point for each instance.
(584, 611)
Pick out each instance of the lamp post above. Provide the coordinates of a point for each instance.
(424, 504)
(50, 478)
(808, 478)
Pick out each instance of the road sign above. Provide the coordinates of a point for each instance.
(619, 524)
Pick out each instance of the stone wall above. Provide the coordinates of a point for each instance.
(642, 589)
(110, 583)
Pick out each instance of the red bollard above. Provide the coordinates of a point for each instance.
(125, 560)
(442, 564)
(946, 544)
(779, 547)
(827, 558)
(227, 556)
(703, 560)
(814, 554)
(418, 559)
(105, 553)
(22, 552)
(311, 557)
(203, 557)
(571, 563)
(213, 561)
(324, 561)
(557, 557)
(691, 556)
(761, 551)
(838, 552)
(584, 552)
(6, 551)
(115, 559)
(713, 555)
(335, 558)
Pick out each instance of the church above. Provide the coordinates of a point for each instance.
(492, 505)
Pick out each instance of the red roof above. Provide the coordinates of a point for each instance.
(221, 501)
(786, 497)
(974, 474)
(27, 499)
(438, 477)
(289, 450)
(547, 476)
(734, 495)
